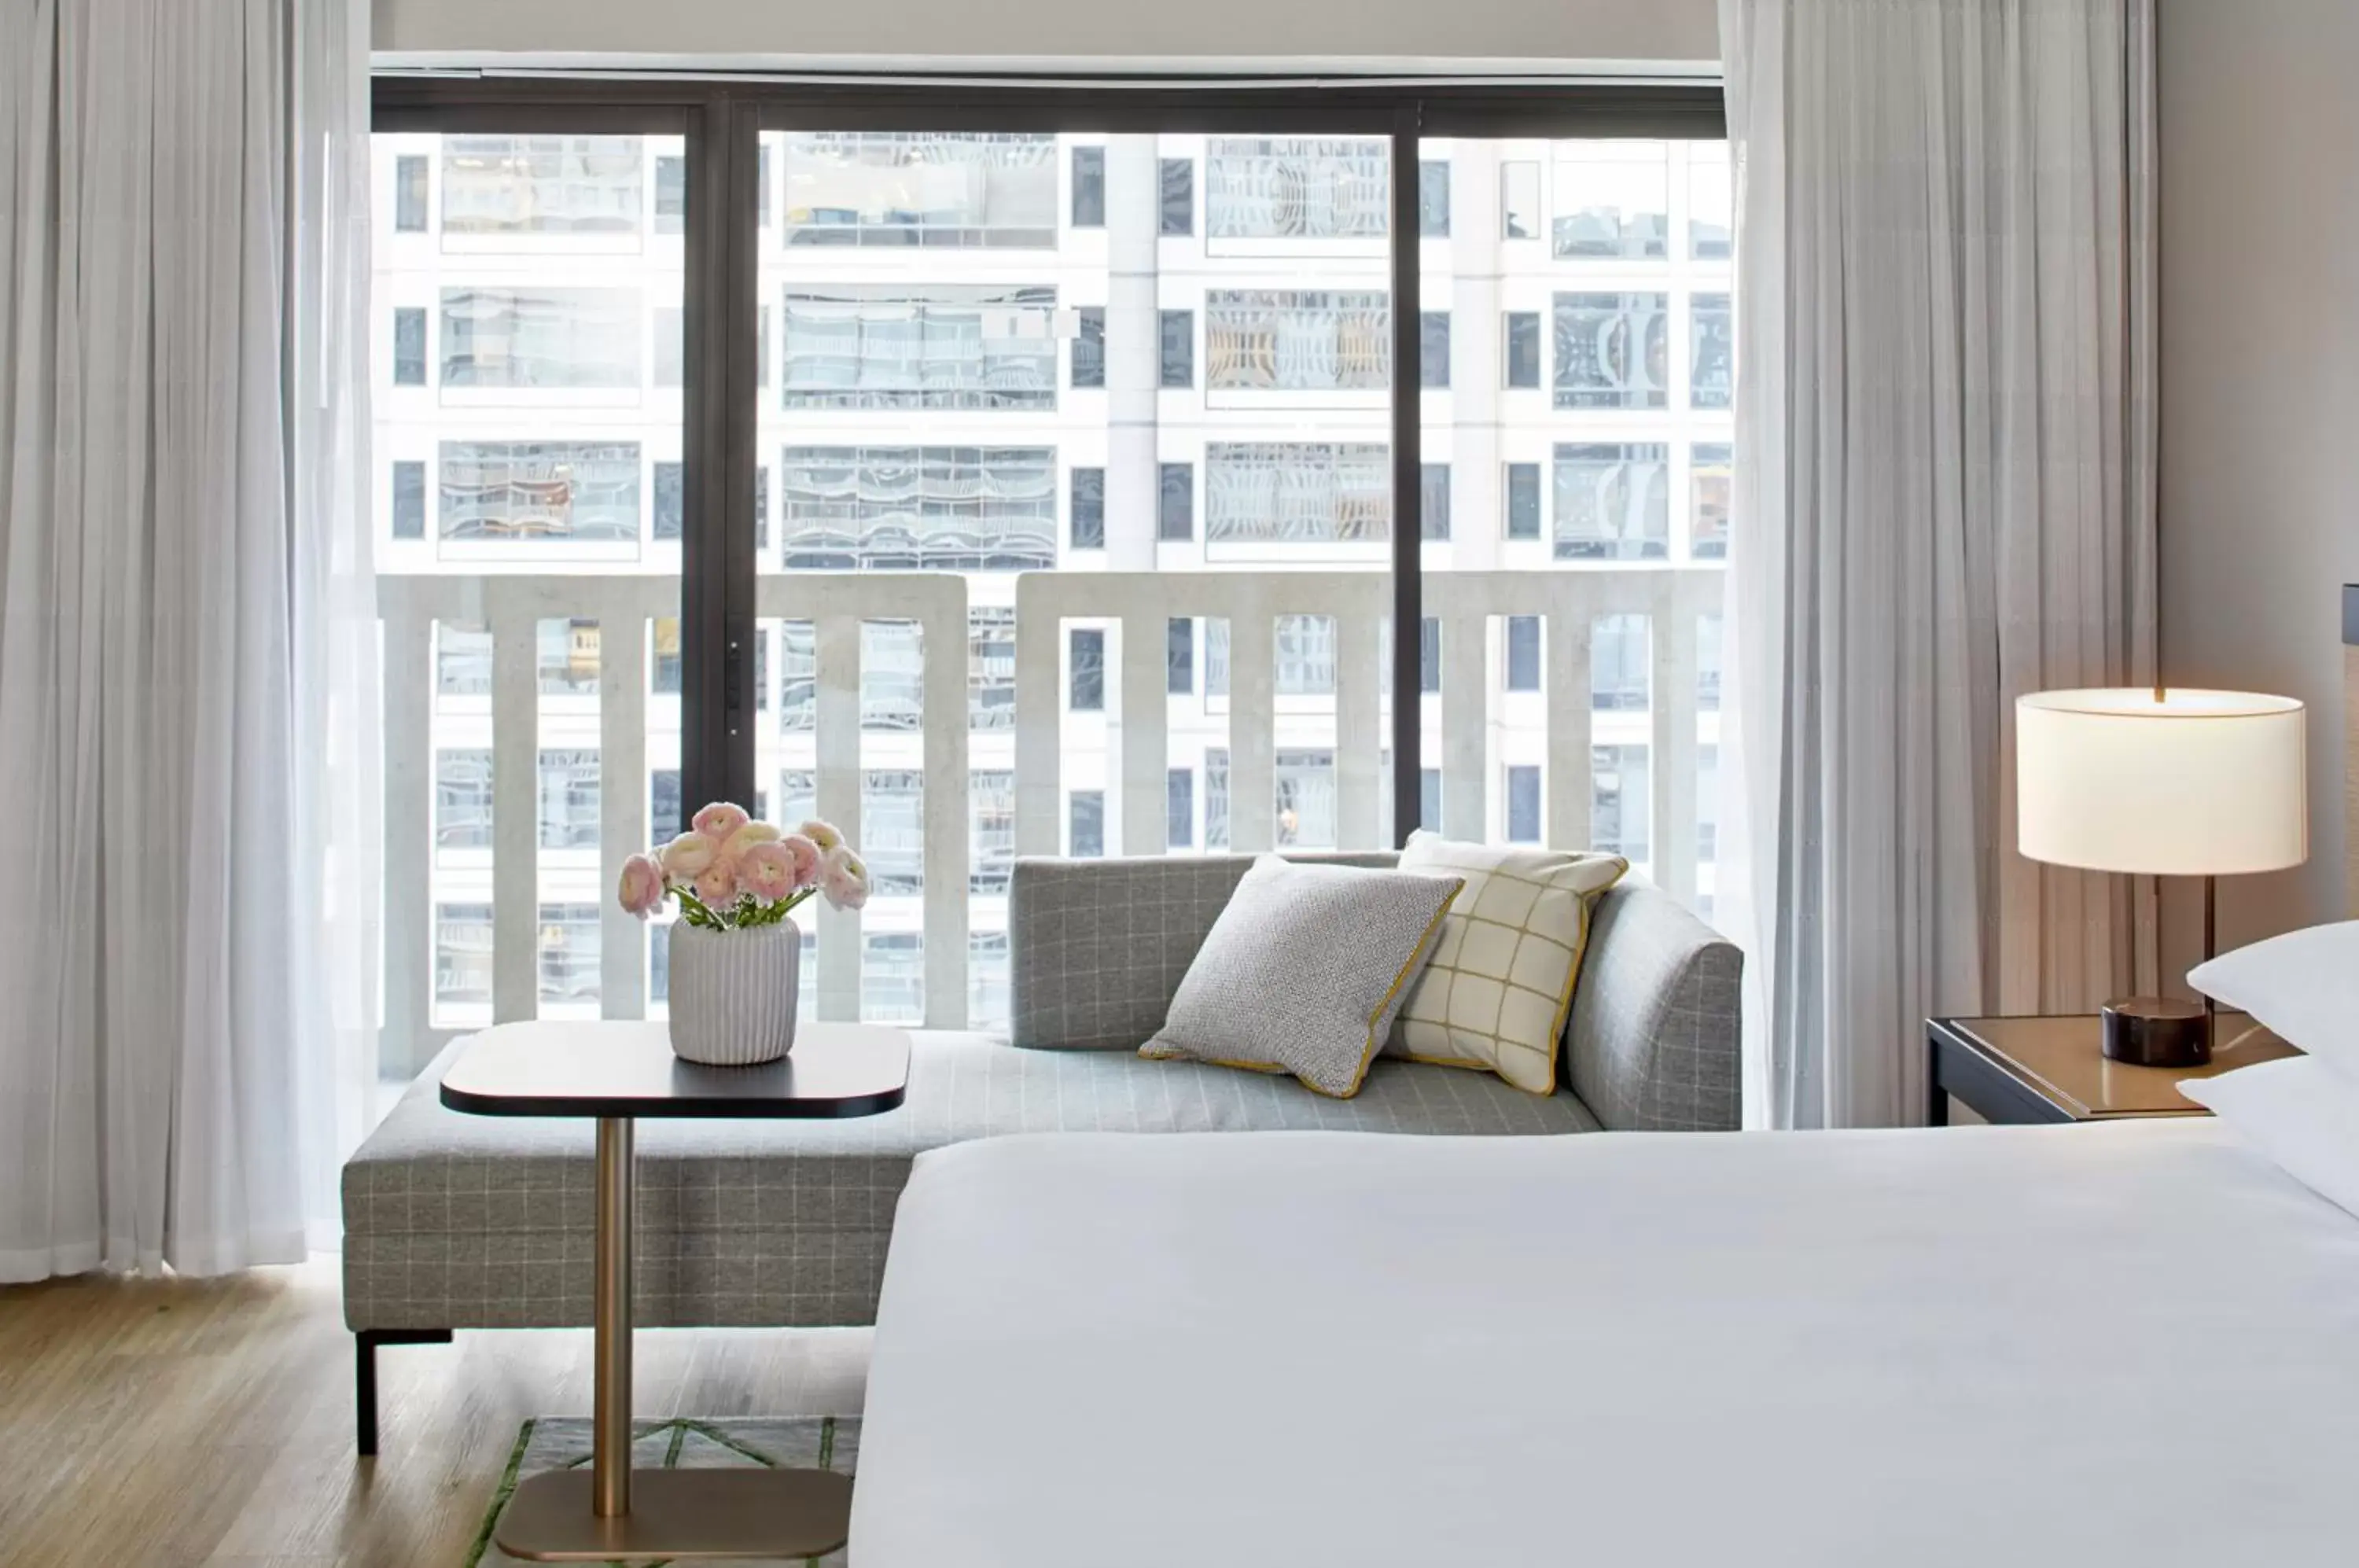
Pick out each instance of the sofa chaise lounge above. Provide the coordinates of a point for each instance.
(456, 1222)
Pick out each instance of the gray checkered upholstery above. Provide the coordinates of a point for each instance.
(453, 1221)
(1099, 946)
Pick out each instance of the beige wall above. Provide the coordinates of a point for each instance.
(1155, 32)
(2260, 376)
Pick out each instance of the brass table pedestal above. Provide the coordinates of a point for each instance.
(615, 1072)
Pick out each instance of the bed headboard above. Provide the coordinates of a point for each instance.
(2350, 749)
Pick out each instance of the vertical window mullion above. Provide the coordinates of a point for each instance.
(1407, 530)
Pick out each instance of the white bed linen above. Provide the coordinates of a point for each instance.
(2133, 1344)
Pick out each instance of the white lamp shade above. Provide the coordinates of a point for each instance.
(2196, 784)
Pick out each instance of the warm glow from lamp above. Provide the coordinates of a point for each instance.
(2183, 783)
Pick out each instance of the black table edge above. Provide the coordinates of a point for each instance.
(686, 1107)
(1961, 1065)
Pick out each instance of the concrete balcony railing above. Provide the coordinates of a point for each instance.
(1136, 606)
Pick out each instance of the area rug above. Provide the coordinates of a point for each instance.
(562, 1442)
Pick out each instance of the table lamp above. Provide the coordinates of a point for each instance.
(2166, 782)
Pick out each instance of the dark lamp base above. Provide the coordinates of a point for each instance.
(2157, 1031)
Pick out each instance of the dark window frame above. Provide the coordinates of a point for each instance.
(720, 123)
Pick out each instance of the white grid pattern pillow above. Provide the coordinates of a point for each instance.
(1499, 986)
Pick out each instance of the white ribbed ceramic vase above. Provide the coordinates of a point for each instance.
(732, 993)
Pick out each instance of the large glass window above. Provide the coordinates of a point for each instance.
(1140, 383)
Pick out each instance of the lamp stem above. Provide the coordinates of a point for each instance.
(2211, 951)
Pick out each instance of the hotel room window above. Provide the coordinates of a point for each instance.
(462, 799)
(1180, 657)
(1433, 198)
(463, 958)
(544, 186)
(931, 508)
(1216, 656)
(1621, 667)
(1178, 359)
(1429, 798)
(1179, 808)
(991, 828)
(1712, 354)
(1613, 501)
(1313, 188)
(1086, 487)
(1523, 501)
(1305, 781)
(409, 194)
(988, 991)
(569, 957)
(1086, 826)
(1523, 351)
(566, 652)
(1708, 633)
(540, 339)
(1305, 648)
(911, 345)
(892, 977)
(409, 345)
(762, 201)
(1522, 660)
(1433, 350)
(798, 678)
(1298, 340)
(1523, 804)
(462, 659)
(665, 822)
(1089, 349)
(408, 508)
(569, 800)
(893, 831)
(1088, 674)
(1089, 187)
(991, 667)
(1175, 502)
(892, 677)
(1710, 471)
(1177, 189)
(1429, 656)
(983, 191)
(1618, 800)
(1297, 491)
(1613, 351)
(1216, 797)
(669, 487)
(1433, 503)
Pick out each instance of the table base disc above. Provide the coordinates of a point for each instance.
(679, 1514)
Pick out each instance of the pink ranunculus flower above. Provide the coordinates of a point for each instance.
(806, 857)
(822, 835)
(721, 820)
(747, 837)
(642, 888)
(717, 885)
(843, 878)
(767, 871)
(687, 857)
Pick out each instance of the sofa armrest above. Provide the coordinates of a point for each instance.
(1655, 1041)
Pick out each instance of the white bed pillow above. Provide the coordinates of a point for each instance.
(2302, 986)
(2299, 1112)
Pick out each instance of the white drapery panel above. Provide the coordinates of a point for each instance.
(167, 636)
(1944, 498)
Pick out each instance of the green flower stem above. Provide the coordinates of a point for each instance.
(747, 913)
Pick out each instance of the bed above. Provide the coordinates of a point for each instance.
(2128, 1345)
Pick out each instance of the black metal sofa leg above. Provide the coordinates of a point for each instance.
(364, 1344)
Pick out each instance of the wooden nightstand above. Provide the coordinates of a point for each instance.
(2036, 1070)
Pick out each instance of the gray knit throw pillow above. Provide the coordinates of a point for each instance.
(1304, 971)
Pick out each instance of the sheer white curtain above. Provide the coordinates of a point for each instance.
(179, 564)
(1944, 498)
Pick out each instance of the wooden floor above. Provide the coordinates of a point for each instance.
(167, 1424)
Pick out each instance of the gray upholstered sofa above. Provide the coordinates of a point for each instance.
(462, 1222)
